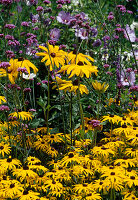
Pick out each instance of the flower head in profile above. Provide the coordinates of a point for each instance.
(101, 88)
(52, 56)
(22, 115)
(73, 86)
(79, 69)
(2, 99)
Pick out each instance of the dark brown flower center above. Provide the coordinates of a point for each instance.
(124, 126)
(53, 182)
(85, 167)
(134, 128)
(20, 59)
(25, 167)
(124, 118)
(104, 148)
(80, 63)
(111, 115)
(1, 147)
(12, 185)
(32, 159)
(136, 135)
(60, 168)
(112, 173)
(132, 118)
(75, 51)
(53, 55)
(129, 170)
(52, 136)
(100, 183)
(84, 185)
(42, 142)
(71, 155)
(75, 82)
(132, 177)
(86, 128)
(25, 192)
(9, 159)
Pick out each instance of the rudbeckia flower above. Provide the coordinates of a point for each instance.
(11, 71)
(73, 87)
(52, 56)
(12, 189)
(29, 195)
(23, 63)
(101, 88)
(75, 58)
(79, 69)
(22, 115)
(4, 149)
(2, 99)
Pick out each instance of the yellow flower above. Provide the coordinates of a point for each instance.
(11, 71)
(52, 55)
(79, 69)
(4, 149)
(9, 163)
(101, 88)
(73, 87)
(22, 115)
(111, 118)
(132, 180)
(93, 196)
(12, 189)
(75, 58)
(33, 160)
(55, 187)
(29, 195)
(2, 99)
(22, 63)
(25, 173)
(84, 188)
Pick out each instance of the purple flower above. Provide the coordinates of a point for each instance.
(46, 2)
(110, 17)
(129, 11)
(10, 26)
(97, 43)
(39, 9)
(94, 31)
(82, 33)
(64, 18)
(4, 65)
(27, 90)
(106, 66)
(26, 24)
(127, 78)
(4, 108)
(129, 34)
(32, 110)
(59, 6)
(54, 34)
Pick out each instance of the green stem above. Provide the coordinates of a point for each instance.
(48, 103)
(80, 107)
(71, 116)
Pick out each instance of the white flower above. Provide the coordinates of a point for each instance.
(29, 77)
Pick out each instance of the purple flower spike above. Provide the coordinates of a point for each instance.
(94, 31)
(97, 43)
(64, 18)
